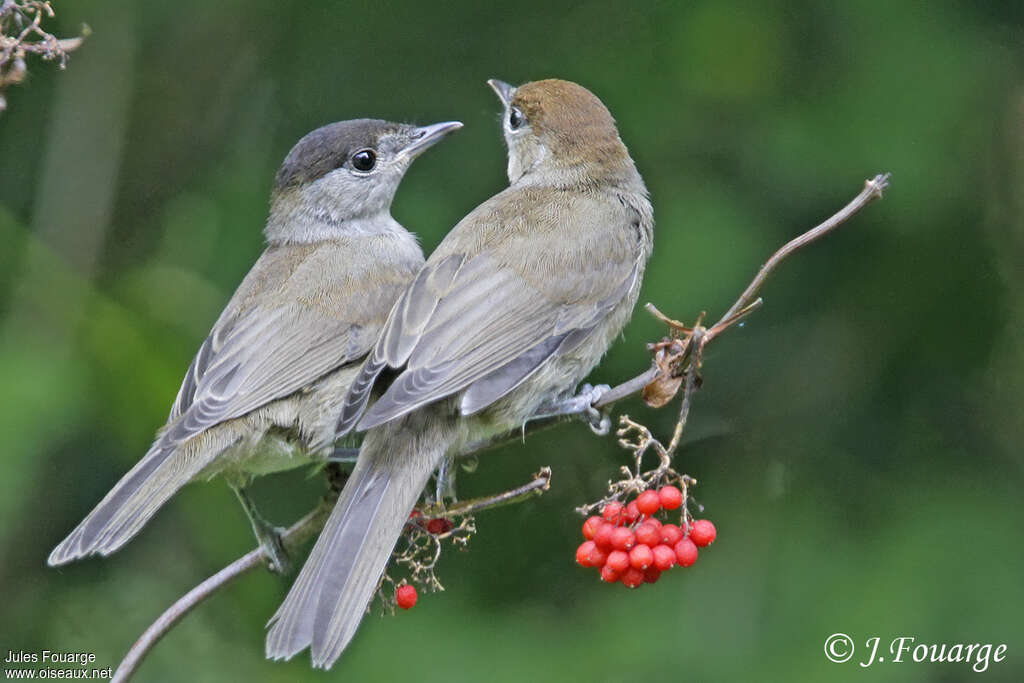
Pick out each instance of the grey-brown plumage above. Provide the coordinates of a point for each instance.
(514, 308)
(265, 390)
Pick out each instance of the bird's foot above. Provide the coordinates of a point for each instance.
(582, 404)
(272, 543)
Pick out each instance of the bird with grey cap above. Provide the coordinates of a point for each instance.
(507, 316)
(265, 390)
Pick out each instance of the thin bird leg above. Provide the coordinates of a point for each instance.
(445, 479)
(266, 533)
(581, 404)
(344, 455)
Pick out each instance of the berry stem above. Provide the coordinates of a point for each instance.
(541, 482)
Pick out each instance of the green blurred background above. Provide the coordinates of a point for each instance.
(857, 441)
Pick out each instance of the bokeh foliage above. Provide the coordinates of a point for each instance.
(857, 441)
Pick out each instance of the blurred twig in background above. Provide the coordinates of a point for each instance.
(22, 34)
(660, 382)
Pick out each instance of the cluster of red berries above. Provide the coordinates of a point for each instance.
(630, 545)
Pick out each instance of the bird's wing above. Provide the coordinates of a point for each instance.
(484, 322)
(298, 314)
(276, 336)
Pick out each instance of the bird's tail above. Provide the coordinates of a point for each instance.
(337, 583)
(131, 503)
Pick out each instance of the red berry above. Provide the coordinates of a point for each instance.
(609, 575)
(686, 552)
(603, 535)
(648, 534)
(648, 503)
(623, 538)
(612, 512)
(703, 533)
(406, 596)
(631, 513)
(591, 526)
(631, 578)
(618, 561)
(439, 525)
(652, 574)
(584, 553)
(641, 556)
(670, 497)
(671, 534)
(597, 556)
(415, 513)
(664, 557)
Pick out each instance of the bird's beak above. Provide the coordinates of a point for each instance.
(426, 137)
(503, 90)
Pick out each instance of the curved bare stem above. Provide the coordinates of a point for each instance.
(293, 537)
(872, 190)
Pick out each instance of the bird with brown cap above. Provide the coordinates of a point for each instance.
(507, 316)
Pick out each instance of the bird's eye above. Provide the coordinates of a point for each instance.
(364, 160)
(515, 118)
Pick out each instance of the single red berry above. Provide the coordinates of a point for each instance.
(652, 574)
(609, 575)
(670, 497)
(631, 578)
(618, 561)
(654, 521)
(648, 534)
(603, 535)
(598, 556)
(664, 557)
(612, 512)
(703, 533)
(415, 513)
(584, 552)
(406, 596)
(439, 525)
(671, 534)
(591, 526)
(623, 538)
(641, 556)
(648, 503)
(686, 552)
(631, 513)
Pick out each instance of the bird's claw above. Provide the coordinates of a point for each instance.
(581, 404)
(274, 551)
(599, 422)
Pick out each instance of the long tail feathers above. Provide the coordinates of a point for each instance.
(330, 596)
(130, 504)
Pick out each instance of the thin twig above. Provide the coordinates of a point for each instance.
(293, 537)
(626, 389)
(872, 190)
(540, 483)
(15, 45)
(311, 524)
(697, 341)
(747, 302)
